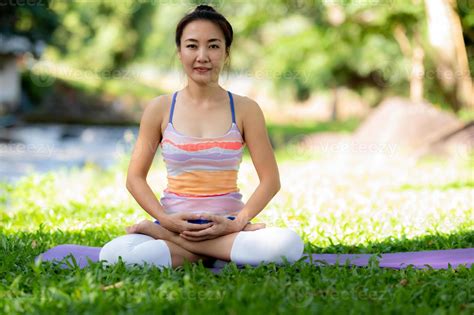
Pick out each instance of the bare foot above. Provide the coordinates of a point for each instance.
(254, 226)
(152, 229)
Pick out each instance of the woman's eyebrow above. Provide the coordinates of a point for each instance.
(195, 40)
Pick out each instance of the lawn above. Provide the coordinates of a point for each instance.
(336, 205)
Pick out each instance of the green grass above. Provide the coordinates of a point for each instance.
(283, 134)
(337, 207)
(454, 185)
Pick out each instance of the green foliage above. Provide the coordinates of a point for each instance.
(360, 51)
(106, 35)
(465, 9)
(300, 46)
(31, 19)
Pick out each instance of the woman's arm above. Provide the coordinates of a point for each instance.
(263, 158)
(149, 137)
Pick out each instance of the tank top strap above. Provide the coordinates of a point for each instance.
(232, 106)
(172, 107)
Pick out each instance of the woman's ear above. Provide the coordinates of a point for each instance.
(178, 52)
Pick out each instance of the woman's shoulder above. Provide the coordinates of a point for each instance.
(250, 113)
(159, 102)
(158, 106)
(245, 104)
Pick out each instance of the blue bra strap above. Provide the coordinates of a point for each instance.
(172, 106)
(232, 106)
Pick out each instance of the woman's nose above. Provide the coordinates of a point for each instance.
(202, 54)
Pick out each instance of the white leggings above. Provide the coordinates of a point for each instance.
(249, 247)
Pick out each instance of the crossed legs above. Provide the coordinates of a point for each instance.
(219, 247)
(150, 242)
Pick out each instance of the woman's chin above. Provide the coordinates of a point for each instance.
(204, 81)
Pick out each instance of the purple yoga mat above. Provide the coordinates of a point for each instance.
(437, 259)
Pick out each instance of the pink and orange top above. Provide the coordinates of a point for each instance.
(202, 172)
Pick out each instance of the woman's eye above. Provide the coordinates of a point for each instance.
(192, 46)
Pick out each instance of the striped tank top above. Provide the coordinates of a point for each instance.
(202, 172)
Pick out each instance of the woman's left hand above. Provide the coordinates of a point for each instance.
(220, 226)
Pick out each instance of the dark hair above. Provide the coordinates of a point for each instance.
(206, 12)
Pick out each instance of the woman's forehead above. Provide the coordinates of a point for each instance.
(202, 31)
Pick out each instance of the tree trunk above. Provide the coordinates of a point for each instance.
(445, 36)
(416, 54)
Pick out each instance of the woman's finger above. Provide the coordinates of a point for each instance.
(192, 216)
(197, 227)
(213, 217)
(203, 232)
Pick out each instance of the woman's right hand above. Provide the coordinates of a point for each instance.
(178, 222)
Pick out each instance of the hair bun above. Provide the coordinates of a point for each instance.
(204, 7)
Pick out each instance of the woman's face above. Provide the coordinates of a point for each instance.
(202, 46)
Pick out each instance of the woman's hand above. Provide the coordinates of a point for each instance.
(178, 222)
(220, 226)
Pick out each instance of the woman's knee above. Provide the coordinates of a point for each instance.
(285, 242)
(267, 245)
(291, 245)
(136, 249)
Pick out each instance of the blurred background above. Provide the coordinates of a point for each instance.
(374, 78)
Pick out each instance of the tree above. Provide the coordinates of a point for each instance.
(24, 28)
(449, 52)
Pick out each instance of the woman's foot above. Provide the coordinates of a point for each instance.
(254, 226)
(152, 229)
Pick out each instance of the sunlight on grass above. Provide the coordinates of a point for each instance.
(329, 202)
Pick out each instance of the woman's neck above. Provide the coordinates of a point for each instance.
(204, 94)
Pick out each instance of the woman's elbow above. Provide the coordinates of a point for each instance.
(277, 186)
(130, 182)
(274, 185)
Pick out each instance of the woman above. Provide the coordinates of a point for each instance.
(201, 215)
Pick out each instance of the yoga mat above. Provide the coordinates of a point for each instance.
(436, 259)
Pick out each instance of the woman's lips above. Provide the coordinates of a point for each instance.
(202, 70)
